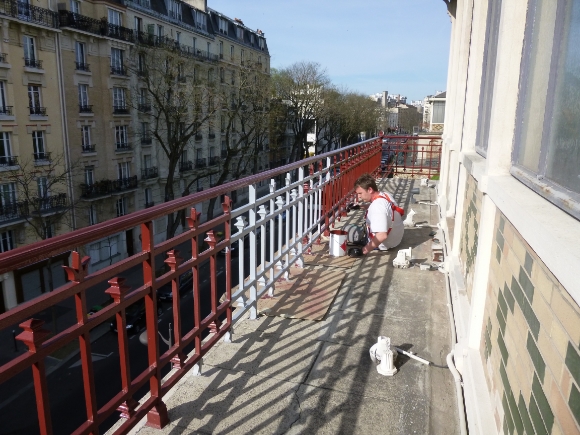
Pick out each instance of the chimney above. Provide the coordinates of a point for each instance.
(385, 98)
(198, 4)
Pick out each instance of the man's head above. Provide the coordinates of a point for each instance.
(364, 187)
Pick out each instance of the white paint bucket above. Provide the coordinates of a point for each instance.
(338, 243)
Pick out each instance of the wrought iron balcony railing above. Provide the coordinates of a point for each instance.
(185, 165)
(171, 44)
(42, 157)
(8, 161)
(85, 108)
(81, 66)
(13, 210)
(40, 111)
(27, 12)
(122, 146)
(88, 148)
(118, 70)
(147, 173)
(144, 107)
(96, 27)
(120, 110)
(312, 212)
(33, 63)
(214, 160)
(200, 163)
(107, 187)
(48, 203)
(6, 110)
(146, 140)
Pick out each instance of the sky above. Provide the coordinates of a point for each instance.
(366, 46)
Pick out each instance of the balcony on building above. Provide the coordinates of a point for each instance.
(96, 27)
(3, 57)
(8, 161)
(146, 140)
(38, 111)
(200, 163)
(144, 107)
(185, 165)
(120, 110)
(214, 160)
(32, 63)
(6, 110)
(118, 70)
(48, 203)
(85, 108)
(107, 187)
(88, 148)
(147, 173)
(123, 147)
(26, 12)
(122, 184)
(41, 157)
(13, 211)
(81, 66)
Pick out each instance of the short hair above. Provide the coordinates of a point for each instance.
(366, 181)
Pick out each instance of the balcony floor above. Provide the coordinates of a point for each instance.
(291, 376)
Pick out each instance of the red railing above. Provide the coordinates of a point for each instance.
(336, 174)
(418, 156)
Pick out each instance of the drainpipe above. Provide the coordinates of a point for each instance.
(64, 122)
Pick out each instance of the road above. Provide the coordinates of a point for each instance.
(18, 414)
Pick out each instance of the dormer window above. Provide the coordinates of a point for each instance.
(115, 18)
(240, 33)
(262, 43)
(174, 9)
(200, 20)
(223, 26)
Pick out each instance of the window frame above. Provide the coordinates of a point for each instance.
(7, 241)
(562, 197)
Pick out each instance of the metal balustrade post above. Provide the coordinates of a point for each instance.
(192, 222)
(287, 225)
(240, 224)
(173, 260)
(272, 230)
(253, 265)
(214, 326)
(296, 236)
(300, 213)
(33, 337)
(227, 209)
(279, 205)
(263, 211)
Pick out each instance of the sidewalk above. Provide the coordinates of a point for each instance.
(297, 376)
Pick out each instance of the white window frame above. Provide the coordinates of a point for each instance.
(75, 6)
(7, 241)
(83, 95)
(114, 17)
(29, 45)
(34, 97)
(38, 142)
(80, 52)
(121, 206)
(86, 135)
(119, 100)
(93, 214)
(5, 145)
(223, 26)
(7, 193)
(89, 175)
(121, 136)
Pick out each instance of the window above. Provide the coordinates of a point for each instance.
(38, 144)
(104, 250)
(6, 241)
(223, 26)
(240, 33)
(7, 193)
(121, 206)
(548, 124)
(115, 17)
(48, 230)
(223, 124)
(232, 53)
(160, 31)
(178, 37)
(75, 6)
(262, 43)
(121, 137)
(86, 138)
(138, 24)
(222, 75)
(242, 56)
(93, 214)
(208, 48)
(42, 186)
(83, 97)
(174, 9)
(123, 170)
(5, 150)
(148, 197)
(80, 56)
(488, 76)
(438, 115)
(89, 175)
(117, 61)
(193, 44)
(34, 103)
(3, 102)
(221, 50)
(145, 129)
(29, 50)
(200, 20)
(141, 62)
(119, 99)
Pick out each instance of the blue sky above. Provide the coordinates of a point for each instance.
(368, 46)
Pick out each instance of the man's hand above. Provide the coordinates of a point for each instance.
(375, 242)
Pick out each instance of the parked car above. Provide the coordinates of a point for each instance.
(96, 308)
(135, 317)
(165, 293)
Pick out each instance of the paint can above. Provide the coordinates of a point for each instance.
(338, 243)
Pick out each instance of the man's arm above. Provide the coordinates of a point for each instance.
(375, 242)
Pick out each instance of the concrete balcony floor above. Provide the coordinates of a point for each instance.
(292, 376)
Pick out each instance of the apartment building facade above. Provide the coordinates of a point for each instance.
(510, 194)
(83, 72)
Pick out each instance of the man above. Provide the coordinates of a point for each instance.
(383, 217)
